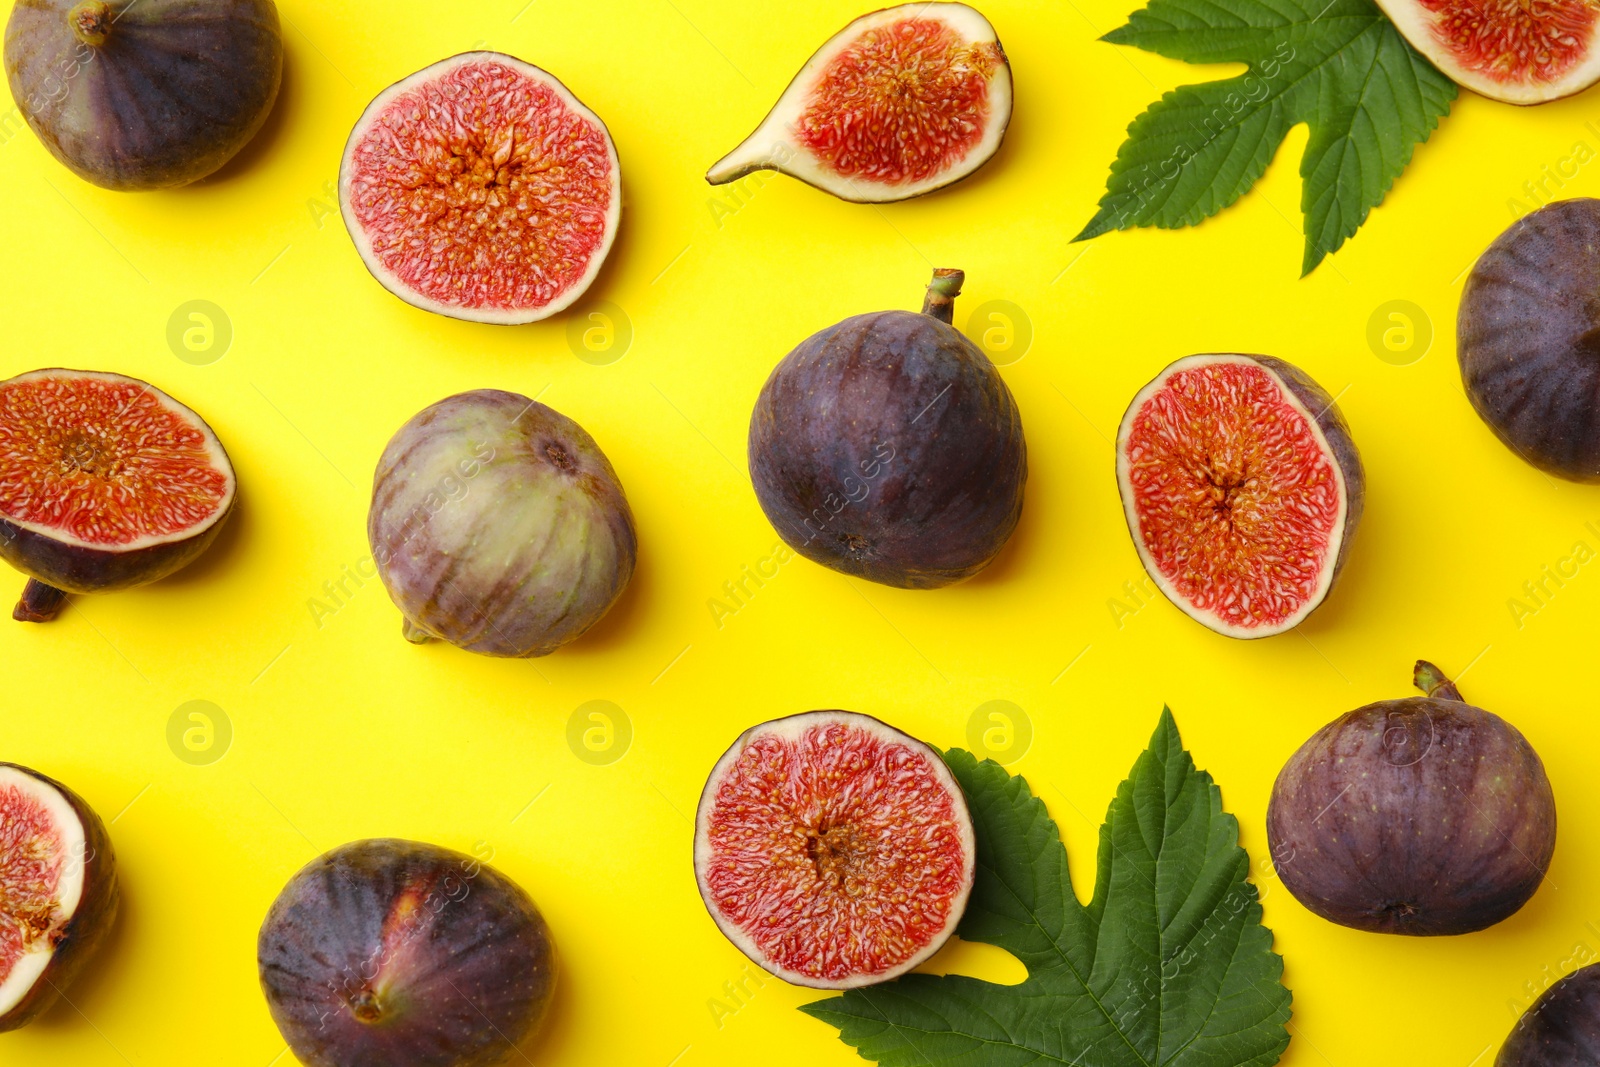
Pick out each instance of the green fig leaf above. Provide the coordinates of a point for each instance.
(1338, 65)
(1167, 966)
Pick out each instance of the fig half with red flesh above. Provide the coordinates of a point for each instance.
(898, 103)
(1242, 488)
(58, 891)
(834, 850)
(482, 189)
(1518, 53)
(391, 953)
(106, 483)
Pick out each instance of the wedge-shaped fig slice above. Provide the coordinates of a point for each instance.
(480, 188)
(1242, 489)
(106, 483)
(898, 103)
(834, 850)
(1519, 53)
(58, 891)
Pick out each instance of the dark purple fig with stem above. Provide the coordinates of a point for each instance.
(1418, 816)
(58, 891)
(144, 94)
(106, 483)
(1528, 338)
(889, 448)
(498, 525)
(1561, 1029)
(406, 955)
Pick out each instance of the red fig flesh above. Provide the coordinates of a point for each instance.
(482, 189)
(1242, 489)
(58, 891)
(834, 850)
(899, 103)
(1519, 53)
(106, 483)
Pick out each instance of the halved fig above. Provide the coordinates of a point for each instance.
(482, 189)
(403, 954)
(898, 103)
(1526, 338)
(106, 483)
(58, 891)
(1242, 488)
(834, 850)
(1518, 53)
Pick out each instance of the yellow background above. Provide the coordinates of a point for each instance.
(342, 730)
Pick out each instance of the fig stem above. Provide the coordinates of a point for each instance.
(91, 20)
(1432, 681)
(942, 292)
(411, 632)
(39, 603)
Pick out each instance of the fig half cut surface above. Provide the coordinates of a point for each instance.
(1518, 53)
(1561, 1028)
(58, 891)
(1528, 338)
(106, 483)
(1242, 489)
(834, 850)
(144, 94)
(897, 104)
(390, 953)
(482, 189)
(888, 447)
(1421, 816)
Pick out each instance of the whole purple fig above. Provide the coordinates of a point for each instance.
(1418, 816)
(498, 525)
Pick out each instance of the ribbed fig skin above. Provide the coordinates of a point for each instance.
(175, 90)
(1420, 816)
(498, 525)
(1561, 1029)
(449, 960)
(889, 448)
(90, 924)
(1528, 338)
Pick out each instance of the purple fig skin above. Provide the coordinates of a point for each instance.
(90, 924)
(144, 94)
(498, 525)
(1424, 816)
(392, 953)
(1561, 1029)
(889, 448)
(1527, 337)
